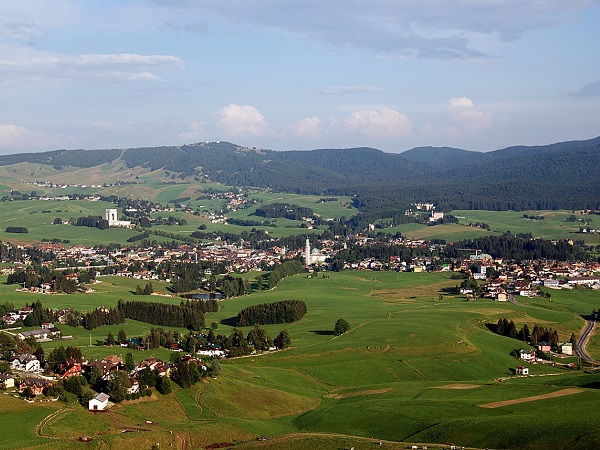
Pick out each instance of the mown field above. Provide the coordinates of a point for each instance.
(413, 368)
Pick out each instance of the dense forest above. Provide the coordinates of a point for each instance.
(519, 249)
(557, 176)
(292, 212)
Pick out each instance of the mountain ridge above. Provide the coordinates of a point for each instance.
(561, 175)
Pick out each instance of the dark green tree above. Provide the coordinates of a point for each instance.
(163, 385)
(118, 386)
(283, 340)
(129, 362)
(341, 327)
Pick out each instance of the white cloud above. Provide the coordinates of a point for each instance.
(428, 28)
(309, 127)
(473, 121)
(194, 133)
(241, 120)
(15, 137)
(26, 65)
(20, 29)
(458, 102)
(381, 123)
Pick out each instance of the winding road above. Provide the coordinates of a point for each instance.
(584, 336)
(583, 340)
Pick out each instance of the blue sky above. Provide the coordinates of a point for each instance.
(298, 74)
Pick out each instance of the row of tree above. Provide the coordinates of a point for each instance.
(533, 337)
(268, 313)
(188, 314)
(92, 222)
(283, 270)
(292, 212)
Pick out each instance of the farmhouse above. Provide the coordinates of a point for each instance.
(6, 381)
(566, 348)
(69, 368)
(106, 368)
(544, 346)
(521, 370)
(44, 334)
(37, 385)
(99, 402)
(527, 355)
(25, 362)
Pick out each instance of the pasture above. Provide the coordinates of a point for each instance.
(413, 368)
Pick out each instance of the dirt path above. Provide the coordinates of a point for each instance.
(561, 393)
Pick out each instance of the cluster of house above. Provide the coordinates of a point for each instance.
(30, 376)
(48, 330)
(530, 356)
(237, 258)
(524, 280)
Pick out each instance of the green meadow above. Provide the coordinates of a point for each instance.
(414, 368)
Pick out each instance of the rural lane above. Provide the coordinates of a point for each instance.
(583, 340)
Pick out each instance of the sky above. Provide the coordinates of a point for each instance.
(298, 74)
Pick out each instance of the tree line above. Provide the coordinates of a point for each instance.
(519, 249)
(269, 313)
(188, 314)
(539, 334)
(292, 212)
(283, 270)
(92, 222)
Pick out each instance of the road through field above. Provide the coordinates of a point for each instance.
(583, 340)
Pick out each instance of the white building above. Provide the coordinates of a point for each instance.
(26, 362)
(111, 216)
(313, 256)
(99, 402)
(307, 255)
(435, 216)
(566, 348)
(527, 355)
(521, 370)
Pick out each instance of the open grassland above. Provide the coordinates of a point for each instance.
(37, 215)
(413, 368)
(554, 224)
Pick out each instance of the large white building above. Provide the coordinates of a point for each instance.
(111, 216)
(313, 256)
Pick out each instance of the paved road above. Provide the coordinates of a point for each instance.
(583, 340)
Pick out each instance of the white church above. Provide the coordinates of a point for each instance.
(111, 216)
(314, 256)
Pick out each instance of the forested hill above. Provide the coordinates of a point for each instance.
(558, 176)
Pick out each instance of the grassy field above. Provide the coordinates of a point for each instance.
(413, 368)
(554, 224)
(37, 216)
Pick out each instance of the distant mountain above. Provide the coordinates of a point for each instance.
(563, 175)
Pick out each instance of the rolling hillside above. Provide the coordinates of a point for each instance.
(562, 175)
